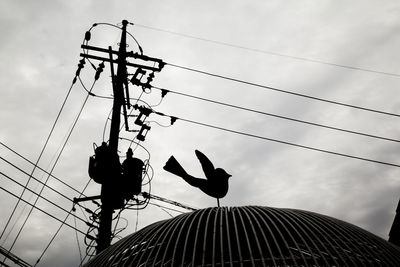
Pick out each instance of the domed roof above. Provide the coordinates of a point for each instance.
(250, 236)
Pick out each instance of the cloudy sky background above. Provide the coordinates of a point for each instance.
(39, 52)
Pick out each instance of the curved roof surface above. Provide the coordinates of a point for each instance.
(250, 236)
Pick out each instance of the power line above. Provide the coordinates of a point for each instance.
(282, 142)
(40, 156)
(38, 167)
(81, 193)
(14, 258)
(270, 52)
(37, 180)
(51, 202)
(77, 241)
(45, 212)
(279, 116)
(59, 228)
(285, 91)
(54, 165)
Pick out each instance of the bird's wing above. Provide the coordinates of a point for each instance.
(206, 164)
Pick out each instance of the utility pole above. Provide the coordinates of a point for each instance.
(105, 167)
(108, 186)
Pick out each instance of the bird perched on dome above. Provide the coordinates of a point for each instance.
(216, 182)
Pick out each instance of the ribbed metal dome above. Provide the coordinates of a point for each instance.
(250, 236)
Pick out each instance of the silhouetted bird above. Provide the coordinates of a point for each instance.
(216, 184)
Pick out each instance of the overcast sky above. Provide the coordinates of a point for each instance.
(39, 53)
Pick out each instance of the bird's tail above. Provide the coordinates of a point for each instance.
(173, 166)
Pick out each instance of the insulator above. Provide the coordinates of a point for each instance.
(140, 120)
(149, 79)
(80, 67)
(173, 120)
(144, 112)
(161, 64)
(99, 71)
(164, 93)
(136, 79)
(143, 132)
(87, 35)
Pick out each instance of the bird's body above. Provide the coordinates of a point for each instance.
(216, 182)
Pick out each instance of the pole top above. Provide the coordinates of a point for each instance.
(125, 22)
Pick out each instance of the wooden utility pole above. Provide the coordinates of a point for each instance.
(110, 185)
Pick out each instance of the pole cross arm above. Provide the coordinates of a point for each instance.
(77, 200)
(152, 60)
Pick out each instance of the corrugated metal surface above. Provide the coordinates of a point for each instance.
(250, 236)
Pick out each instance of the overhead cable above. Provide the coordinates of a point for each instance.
(270, 52)
(61, 225)
(55, 163)
(289, 143)
(45, 212)
(285, 91)
(33, 192)
(280, 116)
(37, 180)
(38, 167)
(277, 140)
(40, 156)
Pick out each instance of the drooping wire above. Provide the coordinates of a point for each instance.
(269, 52)
(115, 26)
(85, 88)
(90, 245)
(138, 144)
(285, 91)
(40, 156)
(117, 231)
(278, 116)
(116, 223)
(164, 126)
